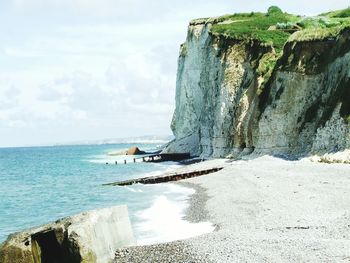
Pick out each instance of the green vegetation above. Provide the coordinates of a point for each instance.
(347, 119)
(344, 13)
(273, 10)
(283, 26)
(318, 22)
(320, 27)
(183, 50)
(266, 66)
(275, 27)
(255, 26)
(339, 14)
(311, 34)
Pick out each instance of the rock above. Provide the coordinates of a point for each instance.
(134, 151)
(90, 237)
(226, 107)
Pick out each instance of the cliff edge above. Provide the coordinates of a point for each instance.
(270, 82)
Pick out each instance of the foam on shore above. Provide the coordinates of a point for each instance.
(163, 221)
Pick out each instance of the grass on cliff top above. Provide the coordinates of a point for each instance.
(249, 26)
(255, 26)
(323, 26)
(344, 13)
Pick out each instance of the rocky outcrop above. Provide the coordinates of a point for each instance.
(134, 151)
(227, 105)
(88, 237)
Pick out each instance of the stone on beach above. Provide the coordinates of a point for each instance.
(134, 151)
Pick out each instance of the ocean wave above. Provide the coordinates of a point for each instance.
(133, 189)
(163, 221)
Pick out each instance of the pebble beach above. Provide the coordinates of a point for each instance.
(264, 209)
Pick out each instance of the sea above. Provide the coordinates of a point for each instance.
(39, 185)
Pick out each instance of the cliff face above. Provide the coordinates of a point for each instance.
(230, 101)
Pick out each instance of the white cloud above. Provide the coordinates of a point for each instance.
(96, 90)
(120, 8)
(160, 9)
(91, 69)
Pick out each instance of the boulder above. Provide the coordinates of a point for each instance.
(90, 237)
(134, 151)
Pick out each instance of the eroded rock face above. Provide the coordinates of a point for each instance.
(308, 99)
(224, 108)
(88, 237)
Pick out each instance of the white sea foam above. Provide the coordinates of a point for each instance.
(163, 221)
(183, 192)
(132, 189)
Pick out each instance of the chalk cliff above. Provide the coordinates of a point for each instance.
(236, 96)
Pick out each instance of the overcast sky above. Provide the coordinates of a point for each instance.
(73, 70)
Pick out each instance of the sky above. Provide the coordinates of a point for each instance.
(75, 70)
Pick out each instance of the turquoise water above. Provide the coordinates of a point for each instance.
(41, 184)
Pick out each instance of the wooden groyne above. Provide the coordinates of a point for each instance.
(165, 178)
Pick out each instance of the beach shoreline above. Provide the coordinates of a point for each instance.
(178, 250)
(262, 209)
(265, 210)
